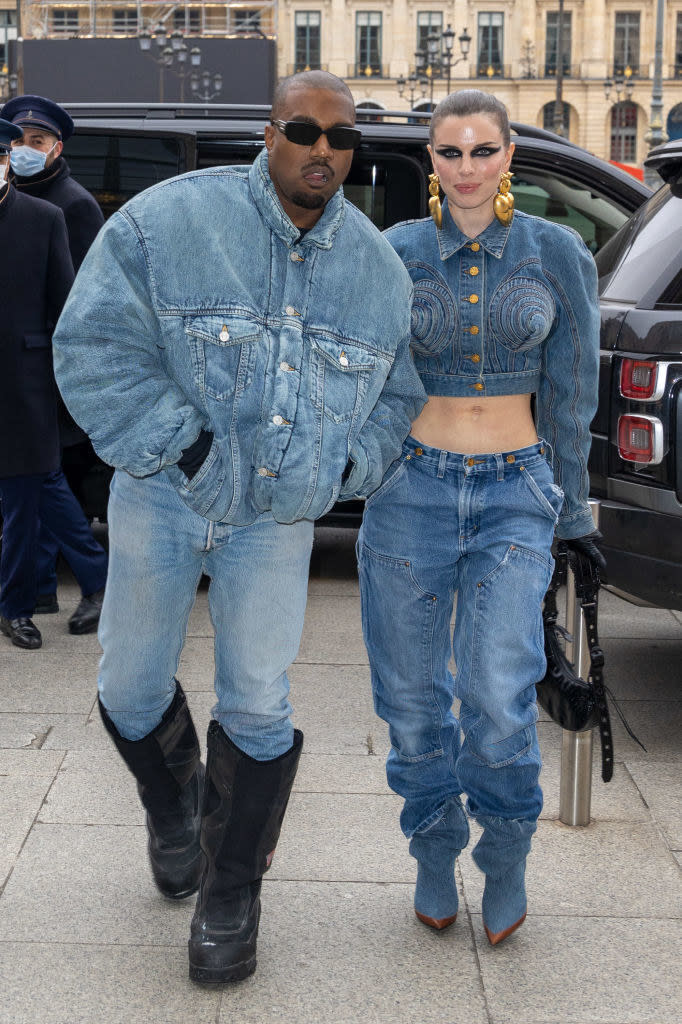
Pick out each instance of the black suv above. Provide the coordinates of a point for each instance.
(117, 151)
(636, 461)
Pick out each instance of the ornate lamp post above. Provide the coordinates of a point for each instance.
(415, 83)
(170, 49)
(656, 134)
(206, 87)
(623, 86)
(437, 60)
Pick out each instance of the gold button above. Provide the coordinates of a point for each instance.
(478, 386)
(473, 330)
(475, 358)
(473, 298)
(474, 271)
(542, 451)
(474, 247)
(419, 451)
(510, 458)
(470, 462)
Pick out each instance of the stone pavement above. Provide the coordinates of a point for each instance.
(84, 937)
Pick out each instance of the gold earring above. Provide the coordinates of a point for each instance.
(435, 209)
(503, 203)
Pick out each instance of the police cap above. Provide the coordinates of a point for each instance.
(8, 133)
(39, 112)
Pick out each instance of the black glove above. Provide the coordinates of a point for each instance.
(587, 547)
(192, 457)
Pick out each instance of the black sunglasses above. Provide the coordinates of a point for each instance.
(302, 133)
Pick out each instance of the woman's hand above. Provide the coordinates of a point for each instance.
(587, 547)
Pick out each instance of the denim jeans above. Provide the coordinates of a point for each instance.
(481, 527)
(158, 550)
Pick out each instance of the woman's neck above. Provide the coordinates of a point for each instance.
(472, 222)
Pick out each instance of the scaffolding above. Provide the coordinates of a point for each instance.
(67, 19)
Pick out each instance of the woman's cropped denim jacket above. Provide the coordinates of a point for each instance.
(510, 312)
(199, 306)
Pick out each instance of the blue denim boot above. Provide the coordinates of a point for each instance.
(501, 854)
(435, 850)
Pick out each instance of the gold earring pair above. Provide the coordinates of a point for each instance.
(503, 203)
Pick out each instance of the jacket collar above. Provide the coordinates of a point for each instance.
(40, 182)
(270, 208)
(451, 239)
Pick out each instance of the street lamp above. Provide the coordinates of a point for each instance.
(206, 86)
(436, 59)
(171, 49)
(415, 83)
(656, 134)
(623, 86)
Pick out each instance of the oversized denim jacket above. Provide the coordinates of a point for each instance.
(512, 311)
(199, 307)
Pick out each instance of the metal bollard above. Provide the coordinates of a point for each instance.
(575, 789)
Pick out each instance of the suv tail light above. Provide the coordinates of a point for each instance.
(640, 439)
(642, 379)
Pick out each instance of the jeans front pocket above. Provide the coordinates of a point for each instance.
(547, 495)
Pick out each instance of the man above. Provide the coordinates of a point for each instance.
(40, 170)
(229, 348)
(35, 257)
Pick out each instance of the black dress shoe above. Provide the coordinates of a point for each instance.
(86, 616)
(21, 632)
(46, 604)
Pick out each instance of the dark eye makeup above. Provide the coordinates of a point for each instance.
(451, 152)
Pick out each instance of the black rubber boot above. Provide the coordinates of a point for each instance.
(170, 779)
(244, 805)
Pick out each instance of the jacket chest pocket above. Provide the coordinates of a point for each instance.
(340, 375)
(224, 354)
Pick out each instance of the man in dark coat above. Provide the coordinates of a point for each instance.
(39, 169)
(34, 256)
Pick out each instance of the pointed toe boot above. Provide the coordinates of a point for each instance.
(436, 850)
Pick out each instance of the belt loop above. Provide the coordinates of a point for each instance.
(500, 466)
(442, 462)
(549, 454)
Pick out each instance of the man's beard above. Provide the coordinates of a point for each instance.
(309, 201)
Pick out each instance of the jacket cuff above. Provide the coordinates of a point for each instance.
(577, 525)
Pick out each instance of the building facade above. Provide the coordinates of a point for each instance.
(381, 48)
(403, 54)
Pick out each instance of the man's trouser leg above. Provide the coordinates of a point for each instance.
(20, 497)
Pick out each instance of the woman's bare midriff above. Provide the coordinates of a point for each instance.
(476, 425)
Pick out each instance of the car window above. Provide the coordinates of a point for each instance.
(652, 243)
(116, 167)
(557, 198)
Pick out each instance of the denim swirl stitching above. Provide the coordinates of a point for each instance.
(522, 311)
(434, 312)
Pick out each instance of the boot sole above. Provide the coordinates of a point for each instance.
(222, 975)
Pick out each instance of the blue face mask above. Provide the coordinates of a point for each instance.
(26, 161)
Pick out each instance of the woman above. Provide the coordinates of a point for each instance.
(505, 305)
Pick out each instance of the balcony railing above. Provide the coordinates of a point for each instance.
(570, 71)
(368, 71)
(487, 70)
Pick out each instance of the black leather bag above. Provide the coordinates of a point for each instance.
(570, 701)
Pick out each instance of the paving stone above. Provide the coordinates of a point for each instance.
(619, 618)
(21, 797)
(350, 837)
(659, 785)
(643, 669)
(332, 632)
(77, 984)
(617, 800)
(583, 970)
(79, 883)
(35, 730)
(607, 869)
(330, 773)
(62, 682)
(353, 954)
(333, 706)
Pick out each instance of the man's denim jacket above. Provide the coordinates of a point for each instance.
(510, 312)
(199, 306)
